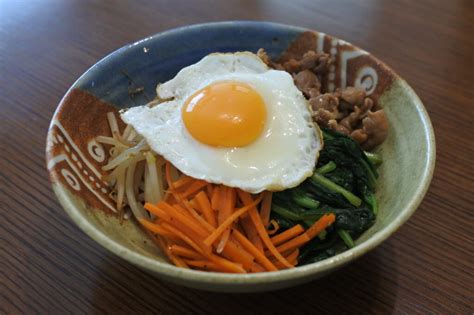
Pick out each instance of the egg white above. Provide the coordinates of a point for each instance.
(281, 157)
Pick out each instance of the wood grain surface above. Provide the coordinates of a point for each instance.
(47, 265)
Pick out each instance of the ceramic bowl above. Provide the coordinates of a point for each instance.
(128, 77)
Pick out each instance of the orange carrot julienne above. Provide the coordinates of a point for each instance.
(157, 211)
(163, 244)
(187, 220)
(200, 219)
(237, 254)
(209, 189)
(259, 256)
(320, 225)
(224, 213)
(231, 266)
(256, 268)
(294, 243)
(265, 208)
(275, 226)
(292, 258)
(221, 198)
(195, 205)
(158, 230)
(288, 234)
(251, 232)
(215, 197)
(217, 232)
(247, 199)
(183, 181)
(185, 252)
(193, 188)
(198, 246)
(205, 265)
(205, 205)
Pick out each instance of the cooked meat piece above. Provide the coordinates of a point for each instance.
(324, 61)
(292, 66)
(318, 63)
(375, 125)
(310, 60)
(332, 124)
(262, 54)
(325, 101)
(359, 135)
(352, 95)
(347, 110)
(323, 116)
(307, 82)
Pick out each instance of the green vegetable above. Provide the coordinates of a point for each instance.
(294, 214)
(320, 179)
(369, 198)
(343, 177)
(286, 213)
(316, 246)
(374, 158)
(343, 183)
(329, 167)
(304, 200)
(322, 235)
(345, 152)
(354, 221)
(346, 237)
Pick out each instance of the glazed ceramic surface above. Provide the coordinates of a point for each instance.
(128, 77)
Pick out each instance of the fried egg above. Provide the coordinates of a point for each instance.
(231, 120)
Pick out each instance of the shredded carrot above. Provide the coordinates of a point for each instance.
(251, 232)
(205, 226)
(256, 268)
(184, 252)
(209, 189)
(205, 265)
(294, 243)
(257, 221)
(157, 211)
(266, 207)
(320, 225)
(205, 205)
(232, 267)
(178, 214)
(201, 249)
(237, 254)
(201, 220)
(292, 258)
(259, 256)
(163, 244)
(183, 181)
(194, 204)
(193, 188)
(224, 214)
(217, 232)
(215, 197)
(275, 226)
(288, 234)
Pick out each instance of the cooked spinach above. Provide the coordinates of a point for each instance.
(343, 183)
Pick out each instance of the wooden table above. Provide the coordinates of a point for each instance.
(48, 265)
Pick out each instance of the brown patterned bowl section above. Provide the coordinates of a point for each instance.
(128, 78)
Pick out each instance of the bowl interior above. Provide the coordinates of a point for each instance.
(75, 158)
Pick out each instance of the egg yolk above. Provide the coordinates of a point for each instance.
(225, 114)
